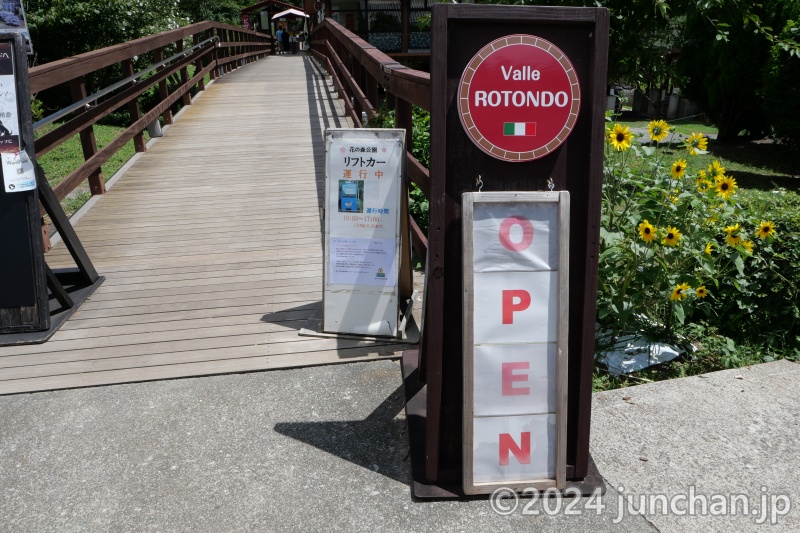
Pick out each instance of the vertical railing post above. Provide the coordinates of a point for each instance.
(133, 109)
(186, 99)
(372, 91)
(97, 185)
(404, 119)
(215, 52)
(225, 52)
(163, 88)
(356, 73)
(198, 64)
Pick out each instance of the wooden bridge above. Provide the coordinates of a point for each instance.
(211, 240)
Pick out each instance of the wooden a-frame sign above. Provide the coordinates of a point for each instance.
(460, 32)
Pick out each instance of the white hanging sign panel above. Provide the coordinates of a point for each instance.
(516, 292)
(18, 172)
(363, 179)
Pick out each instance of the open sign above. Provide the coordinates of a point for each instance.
(515, 339)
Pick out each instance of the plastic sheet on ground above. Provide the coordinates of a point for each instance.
(633, 352)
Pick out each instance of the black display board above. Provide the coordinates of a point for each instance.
(23, 285)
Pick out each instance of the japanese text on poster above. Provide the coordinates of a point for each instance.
(9, 114)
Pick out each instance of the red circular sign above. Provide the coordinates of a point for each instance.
(519, 98)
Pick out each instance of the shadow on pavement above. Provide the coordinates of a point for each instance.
(377, 443)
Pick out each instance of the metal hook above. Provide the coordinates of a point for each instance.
(550, 184)
(479, 183)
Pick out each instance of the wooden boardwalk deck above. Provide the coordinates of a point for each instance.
(210, 244)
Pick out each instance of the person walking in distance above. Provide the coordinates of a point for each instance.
(279, 38)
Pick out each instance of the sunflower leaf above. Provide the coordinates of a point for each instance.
(739, 264)
(680, 314)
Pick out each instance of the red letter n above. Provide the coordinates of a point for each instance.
(522, 453)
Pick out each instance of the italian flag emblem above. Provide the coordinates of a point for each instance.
(519, 129)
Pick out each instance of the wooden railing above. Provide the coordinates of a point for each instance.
(211, 48)
(358, 69)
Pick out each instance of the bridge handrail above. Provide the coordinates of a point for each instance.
(217, 49)
(357, 69)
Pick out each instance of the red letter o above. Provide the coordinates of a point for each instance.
(505, 233)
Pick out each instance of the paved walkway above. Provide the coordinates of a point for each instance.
(325, 449)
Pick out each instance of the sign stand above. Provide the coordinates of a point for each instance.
(364, 169)
(523, 113)
(28, 313)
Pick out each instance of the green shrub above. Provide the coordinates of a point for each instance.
(685, 253)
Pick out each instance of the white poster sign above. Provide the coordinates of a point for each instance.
(515, 339)
(363, 178)
(18, 172)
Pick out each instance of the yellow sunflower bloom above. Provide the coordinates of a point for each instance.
(620, 137)
(766, 229)
(679, 292)
(732, 237)
(732, 229)
(704, 186)
(725, 186)
(658, 130)
(671, 236)
(678, 168)
(647, 232)
(696, 143)
(701, 291)
(716, 170)
(709, 248)
(748, 246)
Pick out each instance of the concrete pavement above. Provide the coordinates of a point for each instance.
(325, 449)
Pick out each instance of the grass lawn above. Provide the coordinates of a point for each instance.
(68, 156)
(762, 165)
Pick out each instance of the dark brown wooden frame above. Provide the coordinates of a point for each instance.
(459, 31)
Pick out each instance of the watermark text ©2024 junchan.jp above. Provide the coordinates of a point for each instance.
(762, 508)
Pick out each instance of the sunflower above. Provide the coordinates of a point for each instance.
(748, 246)
(679, 292)
(658, 130)
(715, 169)
(620, 137)
(704, 186)
(725, 186)
(766, 229)
(732, 237)
(679, 168)
(701, 291)
(671, 236)
(709, 248)
(647, 232)
(696, 143)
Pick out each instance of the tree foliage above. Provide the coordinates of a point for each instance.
(725, 63)
(62, 28)
(735, 58)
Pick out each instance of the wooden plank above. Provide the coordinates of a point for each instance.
(210, 266)
(204, 368)
(187, 315)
